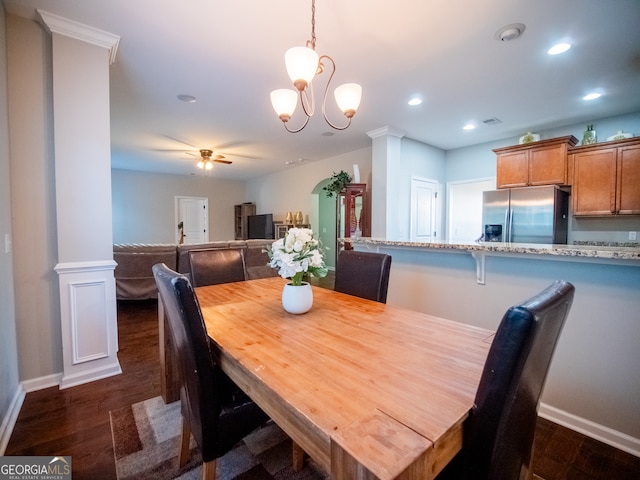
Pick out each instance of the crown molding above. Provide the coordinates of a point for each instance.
(63, 26)
(380, 132)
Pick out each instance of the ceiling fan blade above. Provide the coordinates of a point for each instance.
(251, 157)
(226, 162)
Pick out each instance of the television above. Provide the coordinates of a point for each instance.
(260, 226)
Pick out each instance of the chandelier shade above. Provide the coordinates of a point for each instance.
(348, 98)
(284, 102)
(302, 65)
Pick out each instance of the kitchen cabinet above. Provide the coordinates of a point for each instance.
(240, 219)
(606, 178)
(537, 163)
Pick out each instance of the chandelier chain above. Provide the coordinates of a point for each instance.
(313, 24)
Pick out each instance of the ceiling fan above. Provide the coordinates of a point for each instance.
(206, 162)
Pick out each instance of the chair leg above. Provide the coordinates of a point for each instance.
(185, 439)
(209, 470)
(298, 457)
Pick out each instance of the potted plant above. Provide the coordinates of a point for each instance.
(338, 182)
(296, 255)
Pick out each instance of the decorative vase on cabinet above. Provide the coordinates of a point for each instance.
(589, 136)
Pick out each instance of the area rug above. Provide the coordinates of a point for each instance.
(145, 444)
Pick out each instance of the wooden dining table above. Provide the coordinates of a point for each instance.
(368, 390)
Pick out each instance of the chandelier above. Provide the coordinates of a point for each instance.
(303, 64)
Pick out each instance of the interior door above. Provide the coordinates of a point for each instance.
(193, 212)
(424, 200)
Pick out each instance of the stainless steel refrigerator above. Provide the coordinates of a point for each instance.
(526, 215)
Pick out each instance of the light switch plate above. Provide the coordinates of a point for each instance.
(632, 235)
(7, 243)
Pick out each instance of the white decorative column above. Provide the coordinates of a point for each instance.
(81, 56)
(385, 157)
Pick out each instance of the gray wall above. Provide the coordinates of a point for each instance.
(9, 385)
(144, 205)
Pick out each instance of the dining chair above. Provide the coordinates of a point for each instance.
(217, 265)
(363, 274)
(213, 408)
(499, 433)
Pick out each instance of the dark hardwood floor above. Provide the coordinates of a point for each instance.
(75, 421)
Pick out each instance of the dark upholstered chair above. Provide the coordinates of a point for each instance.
(499, 433)
(214, 266)
(213, 408)
(363, 274)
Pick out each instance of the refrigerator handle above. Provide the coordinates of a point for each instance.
(509, 224)
(505, 232)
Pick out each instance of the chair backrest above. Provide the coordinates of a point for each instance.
(219, 265)
(363, 274)
(199, 376)
(500, 430)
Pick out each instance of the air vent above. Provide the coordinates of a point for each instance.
(492, 121)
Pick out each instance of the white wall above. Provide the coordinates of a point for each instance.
(33, 199)
(144, 205)
(9, 384)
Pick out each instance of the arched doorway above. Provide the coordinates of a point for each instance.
(324, 212)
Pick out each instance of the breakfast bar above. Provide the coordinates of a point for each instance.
(596, 361)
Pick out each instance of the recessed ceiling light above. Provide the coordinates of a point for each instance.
(186, 98)
(592, 96)
(509, 32)
(559, 48)
(415, 101)
(469, 126)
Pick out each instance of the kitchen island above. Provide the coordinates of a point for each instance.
(593, 385)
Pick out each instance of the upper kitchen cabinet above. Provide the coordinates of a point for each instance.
(606, 178)
(537, 163)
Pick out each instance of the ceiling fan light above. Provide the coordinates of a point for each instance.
(302, 65)
(348, 98)
(284, 101)
(200, 164)
(208, 166)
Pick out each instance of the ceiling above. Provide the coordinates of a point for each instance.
(230, 55)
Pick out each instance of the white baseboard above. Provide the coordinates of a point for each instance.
(41, 383)
(6, 429)
(607, 435)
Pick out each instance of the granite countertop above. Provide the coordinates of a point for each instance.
(585, 249)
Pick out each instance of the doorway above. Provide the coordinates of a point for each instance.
(192, 213)
(464, 205)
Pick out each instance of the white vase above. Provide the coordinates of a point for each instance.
(297, 299)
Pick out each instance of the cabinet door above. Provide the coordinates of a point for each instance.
(594, 183)
(512, 170)
(548, 165)
(628, 191)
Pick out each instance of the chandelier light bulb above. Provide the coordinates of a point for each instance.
(302, 65)
(348, 98)
(284, 102)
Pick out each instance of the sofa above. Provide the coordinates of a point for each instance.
(134, 278)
